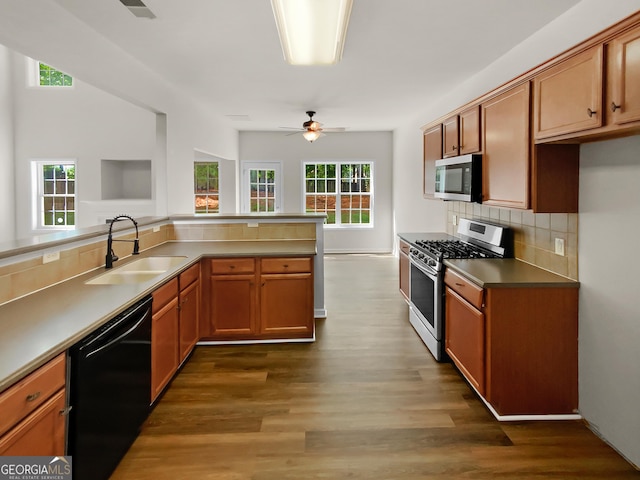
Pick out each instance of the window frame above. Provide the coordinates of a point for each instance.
(207, 194)
(40, 194)
(33, 76)
(340, 193)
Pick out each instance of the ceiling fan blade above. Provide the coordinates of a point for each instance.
(293, 128)
(334, 129)
(292, 133)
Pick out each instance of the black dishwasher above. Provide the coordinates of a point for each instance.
(110, 391)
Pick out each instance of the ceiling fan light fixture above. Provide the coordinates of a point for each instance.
(311, 135)
(312, 32)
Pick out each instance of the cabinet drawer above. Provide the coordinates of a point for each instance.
(463, 287)
(32, 391)
(404, 247)
(189, 276)
(286, 265)
(164, 294)
(232, 265)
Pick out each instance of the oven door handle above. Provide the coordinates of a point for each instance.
(430, 272)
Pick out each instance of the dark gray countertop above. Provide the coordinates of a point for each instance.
(507, 273)
(38, 327)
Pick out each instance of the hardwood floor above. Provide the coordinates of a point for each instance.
(365, 401)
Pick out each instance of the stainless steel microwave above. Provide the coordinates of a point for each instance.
(459, 178)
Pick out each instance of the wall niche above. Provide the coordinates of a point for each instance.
(126, 179)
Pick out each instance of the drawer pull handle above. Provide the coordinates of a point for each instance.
(285, 265)
(614, 107)
(591, 113)
(459, 284)
(33, 396)
(232, 267)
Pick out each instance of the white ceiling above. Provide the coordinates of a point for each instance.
(399, 56)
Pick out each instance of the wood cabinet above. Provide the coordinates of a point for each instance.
(624, 78)
(404, 268)
(165, 349)
(33, 413)
(450, 137)
(260, 298)
(286, 297)
(470, 130)
(505, 136)
(518, 347)
(432, 151)
(189, 310)
(568, 96)
(232, 291)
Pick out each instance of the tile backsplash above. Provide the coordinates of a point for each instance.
(534, 234)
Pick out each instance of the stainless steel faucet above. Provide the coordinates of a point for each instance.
(112, 257)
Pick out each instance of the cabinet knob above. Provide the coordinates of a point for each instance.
(614, 107)
(33, 396)
(591, 113)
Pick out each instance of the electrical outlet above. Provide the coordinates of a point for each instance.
(156, 229)
(560, 246)
(252, 224)
(50, 257)
(454, 220)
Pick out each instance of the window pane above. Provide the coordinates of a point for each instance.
(331, 170)
(322, 186)
(310, 186)
(331, 186)
(310, 171)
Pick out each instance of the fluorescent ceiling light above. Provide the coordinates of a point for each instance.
(312, 32)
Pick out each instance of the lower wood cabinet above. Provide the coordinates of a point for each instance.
(260, 298)
(174, 327)
(33, 413)
(165, 348)
(518, 347)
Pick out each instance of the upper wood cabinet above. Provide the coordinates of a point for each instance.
(461, 133)
(470, 130)
(432, 151)
(505, 136)
(624, 77)
(450, 136)
(568, 96)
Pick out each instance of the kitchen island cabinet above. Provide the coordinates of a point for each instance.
(515, 339)
(34, 413)
(260, 298)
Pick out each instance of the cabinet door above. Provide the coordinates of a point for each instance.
(470, 131)
(164, 346)
(450, 137)
(189, 318)
(404, 269)
(233, 305)
(432, 152)
(568, 96)
(41, 433)
(505, 136)
(465, 338)
(286, 305)
(625, 77)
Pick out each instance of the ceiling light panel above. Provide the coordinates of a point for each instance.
(312, 32)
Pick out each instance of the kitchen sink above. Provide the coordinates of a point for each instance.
(137, 271)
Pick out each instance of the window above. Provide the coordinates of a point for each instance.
(207, 187)
(342, 190)
(50, 77)
(56, 194)
(261, 186)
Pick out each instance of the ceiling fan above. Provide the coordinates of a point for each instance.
(312, 130)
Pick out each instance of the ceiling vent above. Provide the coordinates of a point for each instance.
(138, 8)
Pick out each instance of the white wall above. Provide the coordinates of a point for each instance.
(292, 150)
(43, 30)
(608, 230)
(7, 215)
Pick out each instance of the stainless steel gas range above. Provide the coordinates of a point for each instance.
(428, 252)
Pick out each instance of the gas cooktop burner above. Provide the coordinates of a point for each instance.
(452, 249)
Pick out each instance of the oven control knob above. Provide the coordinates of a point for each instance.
(431, 263)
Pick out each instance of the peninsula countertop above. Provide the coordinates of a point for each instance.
(36, 328)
